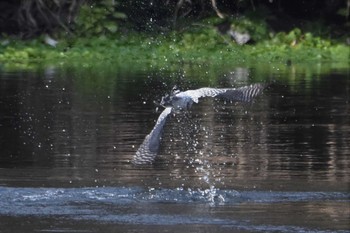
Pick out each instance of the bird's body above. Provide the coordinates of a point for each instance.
(179, 101)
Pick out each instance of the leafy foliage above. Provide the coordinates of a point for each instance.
(98, 18)
(99, 37)
(296, 38)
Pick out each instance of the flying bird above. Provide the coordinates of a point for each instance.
(182, 101)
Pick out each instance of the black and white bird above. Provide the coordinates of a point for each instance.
(181, 101)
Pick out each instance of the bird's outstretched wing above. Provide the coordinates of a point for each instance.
(244, 94)
(148, 150)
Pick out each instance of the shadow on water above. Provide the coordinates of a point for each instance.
(280, 163)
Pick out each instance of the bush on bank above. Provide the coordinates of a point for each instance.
(110, 30)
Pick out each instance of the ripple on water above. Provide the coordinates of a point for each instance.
(53, 197)
(139, 206)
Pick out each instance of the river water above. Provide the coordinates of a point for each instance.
(278, 164)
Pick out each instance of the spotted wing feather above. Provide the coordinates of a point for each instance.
(148, 150)
(245, 94)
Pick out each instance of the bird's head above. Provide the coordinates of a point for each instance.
(169, 99)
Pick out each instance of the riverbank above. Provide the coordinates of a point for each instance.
(204, 47)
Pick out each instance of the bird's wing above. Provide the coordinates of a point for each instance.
(202, 92)
(148, 150)
(245, 94)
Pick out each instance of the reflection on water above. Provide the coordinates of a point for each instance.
(222, 167)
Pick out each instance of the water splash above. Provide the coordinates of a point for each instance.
(132, 205)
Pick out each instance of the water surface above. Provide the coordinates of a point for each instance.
(280, 163)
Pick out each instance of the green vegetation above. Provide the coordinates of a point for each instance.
(107, 31)
(203, 46)
(97, 19)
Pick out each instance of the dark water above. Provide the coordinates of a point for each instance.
(279, 164)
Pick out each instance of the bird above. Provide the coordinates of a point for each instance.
(178, 101)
